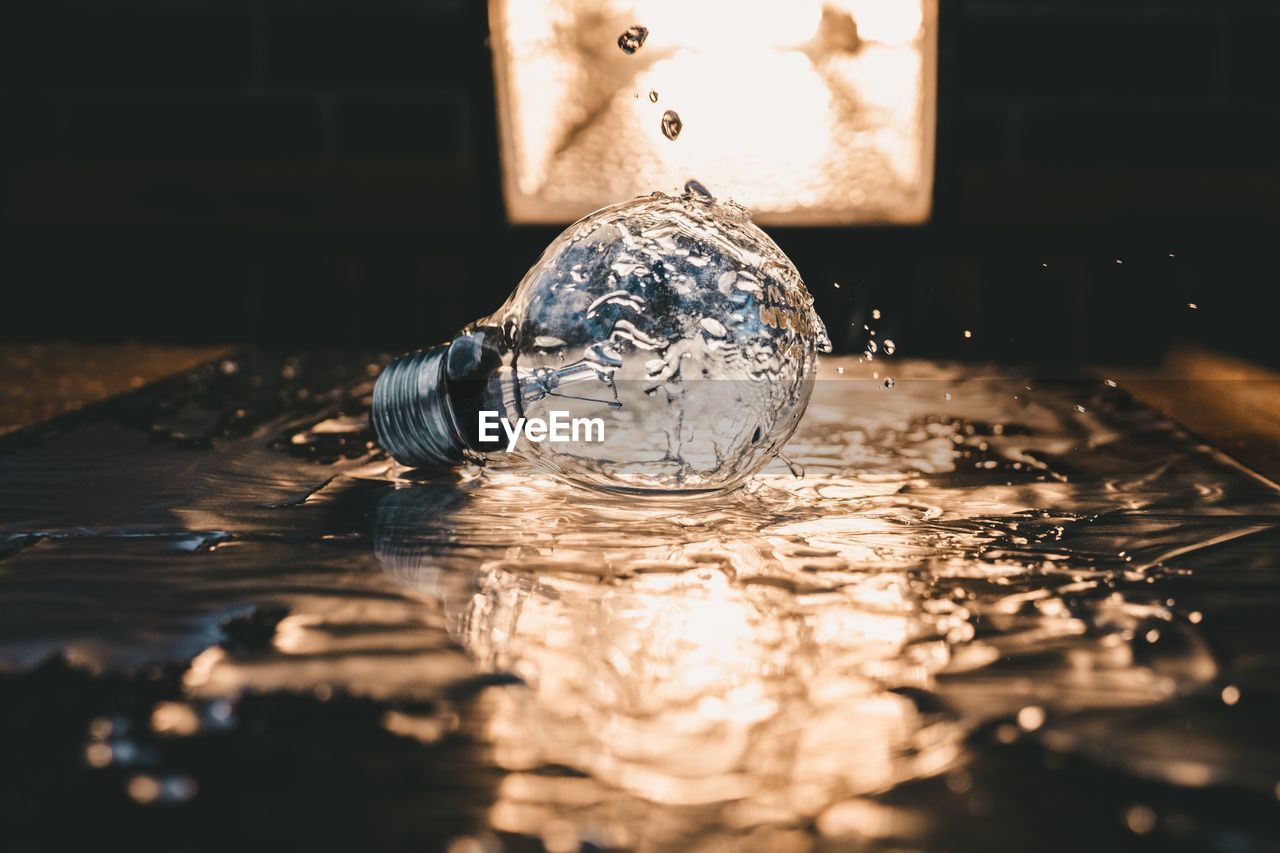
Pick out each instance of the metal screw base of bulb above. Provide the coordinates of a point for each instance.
(412, 414)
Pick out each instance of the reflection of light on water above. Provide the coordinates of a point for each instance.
(753, 670)
(751, 660)
(652, 673)
(692, 689)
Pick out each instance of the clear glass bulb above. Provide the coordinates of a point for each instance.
(671, 339)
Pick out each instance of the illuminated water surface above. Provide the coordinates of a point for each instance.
(975, 611)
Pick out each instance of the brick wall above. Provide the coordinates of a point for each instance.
(235, 81)
(1120, 82)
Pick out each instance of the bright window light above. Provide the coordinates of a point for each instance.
(806, 111)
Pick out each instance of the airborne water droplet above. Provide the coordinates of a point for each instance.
(696, 187)
(889, 347)
(653, 96)
(671, 124)
(633, 39)
(888, 383)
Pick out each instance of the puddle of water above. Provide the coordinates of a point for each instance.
(980, 619)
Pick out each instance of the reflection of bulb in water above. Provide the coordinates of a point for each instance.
(673, 323)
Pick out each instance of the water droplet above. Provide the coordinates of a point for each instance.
(959, 781)
(696, 188)
(875, 313)
(1120, 262)
(1230, 694)
(653, 96)
(633, 39)
(97, 755)
(888, 383)
(175, 718)
(1140, 819)
(1111, 383)
(889, 346)
(947, 395)
(836, 285)
(821, 341)
(713, 327)
(671, 124)
(968, 333)
(1192, 306)
(840, 371)
(145, 788)
(1031, 718)
(871, 348)
(1080, 408)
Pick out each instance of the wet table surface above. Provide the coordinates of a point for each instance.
(972, 612)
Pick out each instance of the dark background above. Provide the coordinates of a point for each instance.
(316, 174)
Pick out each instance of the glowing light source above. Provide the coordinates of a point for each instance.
(810, 111)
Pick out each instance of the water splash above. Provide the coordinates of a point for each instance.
(696, 187)
(633, 39)
(671, 125)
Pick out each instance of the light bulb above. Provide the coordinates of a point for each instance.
(661, 344)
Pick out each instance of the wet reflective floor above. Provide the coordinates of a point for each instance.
(973, 612)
